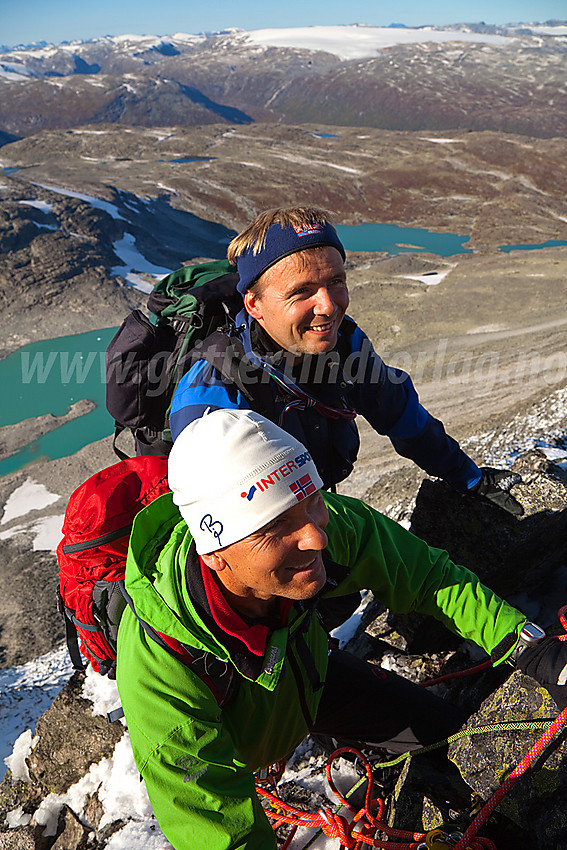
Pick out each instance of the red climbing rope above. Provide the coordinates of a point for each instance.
(361, 829)
(458, 674)
(562, 614)
(525, 763)
(364, 824)
(508, 783)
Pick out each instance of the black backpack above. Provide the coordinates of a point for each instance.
(194, 309)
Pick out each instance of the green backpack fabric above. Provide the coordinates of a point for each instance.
(147, 357)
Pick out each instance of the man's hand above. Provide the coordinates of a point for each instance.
(495, 485)
(546, 662)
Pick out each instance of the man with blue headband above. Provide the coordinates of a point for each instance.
(311, 369)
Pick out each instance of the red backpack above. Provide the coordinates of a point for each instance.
(92, 554)
(92, 562)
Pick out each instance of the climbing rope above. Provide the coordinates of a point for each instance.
(361, 829)
(458, 674)
(508, 783)
(366, 821)
(368, 818)
(562, 614)
(505, 726)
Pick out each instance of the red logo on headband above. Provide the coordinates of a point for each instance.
(308, 229)
(303, 487)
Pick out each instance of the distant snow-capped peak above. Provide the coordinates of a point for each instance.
(359, 41)
(352, 41)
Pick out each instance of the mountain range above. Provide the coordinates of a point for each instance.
(393, 78)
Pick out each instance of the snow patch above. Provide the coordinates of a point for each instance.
(167, 188)
(134, 263)
(347, 630)
(26, 691)
(141, 835)
(543, 30)
(558, 456)
(17, 818)
(17, 761)
(98, 204)
(136, 39)
(30, 496)
(47, 531)
(101, 691)
(432, 279)
(39, 205)
(115, 779)
(358, 42)
(15, 73)
(440, 141)
(343, 168)
(51, 227)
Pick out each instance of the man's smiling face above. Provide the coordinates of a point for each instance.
(302, 300)
(282, 559)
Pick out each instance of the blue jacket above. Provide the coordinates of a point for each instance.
(350, 378)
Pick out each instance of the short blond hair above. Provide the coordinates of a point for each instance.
(254, 235)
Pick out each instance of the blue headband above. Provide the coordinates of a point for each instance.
(280, 242)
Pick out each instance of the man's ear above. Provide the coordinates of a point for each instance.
(253, 305)
(214, 561)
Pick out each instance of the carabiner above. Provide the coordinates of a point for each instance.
(437, 839)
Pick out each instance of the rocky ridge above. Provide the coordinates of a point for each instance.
(11, 435)
(420, 794)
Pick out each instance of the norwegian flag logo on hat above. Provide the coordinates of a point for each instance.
(303, 487)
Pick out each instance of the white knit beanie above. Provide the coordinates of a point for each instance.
(232, 471)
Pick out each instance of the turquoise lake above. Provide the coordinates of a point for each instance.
(401, 240)
(47, 377)
(405, 240)
(551, 243)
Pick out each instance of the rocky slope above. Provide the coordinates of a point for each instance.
(72, 201)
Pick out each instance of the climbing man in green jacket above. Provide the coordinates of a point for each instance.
(236, 571)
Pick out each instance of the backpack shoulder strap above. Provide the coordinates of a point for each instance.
(216, 674)
(71, 636)
(226, 353)
(346, 330)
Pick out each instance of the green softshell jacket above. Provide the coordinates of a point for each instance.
(197, 759)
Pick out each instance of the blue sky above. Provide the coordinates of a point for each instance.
(24, 21)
